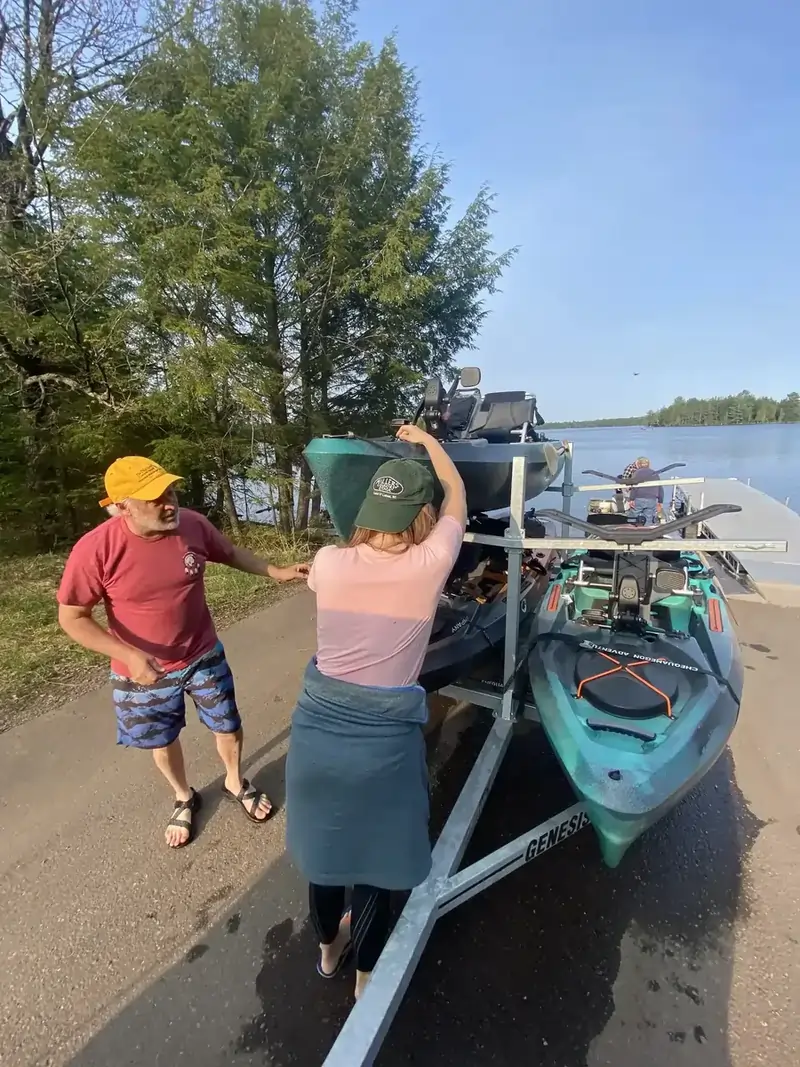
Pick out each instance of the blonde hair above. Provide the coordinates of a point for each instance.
(642, 461)
(414, 534)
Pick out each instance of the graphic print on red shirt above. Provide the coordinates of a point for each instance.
(152, 588)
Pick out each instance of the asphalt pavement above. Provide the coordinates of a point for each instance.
(120, 953)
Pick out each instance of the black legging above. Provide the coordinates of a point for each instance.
(369, 921)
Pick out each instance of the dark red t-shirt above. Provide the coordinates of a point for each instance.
(152, 588)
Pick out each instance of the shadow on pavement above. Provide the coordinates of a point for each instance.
(563, 964)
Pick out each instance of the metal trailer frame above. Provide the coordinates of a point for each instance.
(446, 887)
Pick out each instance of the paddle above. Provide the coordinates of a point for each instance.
(618, 478)
(631, 535)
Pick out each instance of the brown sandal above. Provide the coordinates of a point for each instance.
(192, 805)
(246, 793)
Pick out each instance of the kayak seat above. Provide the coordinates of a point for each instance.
(534, 527)
(667, 579)
(603, 562)
(500, 415)
(471, 554)
(459, 414)
(667, 557)
(607, 518)
(467, 560)
(506, 396)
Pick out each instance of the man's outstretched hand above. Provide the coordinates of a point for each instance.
(293, 573)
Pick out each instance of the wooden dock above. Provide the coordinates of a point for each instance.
(775, 576)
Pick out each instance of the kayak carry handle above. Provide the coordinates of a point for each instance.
(637, 535)
(614, 728)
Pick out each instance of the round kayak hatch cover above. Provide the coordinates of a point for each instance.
(624, 686)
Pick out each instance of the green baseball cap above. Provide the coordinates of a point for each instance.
(399, 490)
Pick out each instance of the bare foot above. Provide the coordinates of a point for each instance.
(362, 981)
(332, 953)
(179, 828)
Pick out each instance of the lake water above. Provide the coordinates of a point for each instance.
(769, 454)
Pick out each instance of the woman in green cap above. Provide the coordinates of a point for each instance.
(356, 774)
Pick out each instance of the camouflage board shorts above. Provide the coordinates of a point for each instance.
(152, 716)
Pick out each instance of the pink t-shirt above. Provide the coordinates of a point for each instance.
(375, 609)
(152, 588)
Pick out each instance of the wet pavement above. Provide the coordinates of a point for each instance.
(686, 954)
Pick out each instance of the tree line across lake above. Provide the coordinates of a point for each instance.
(220, 235)
(737, 410)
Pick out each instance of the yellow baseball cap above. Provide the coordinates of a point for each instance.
(138, 478)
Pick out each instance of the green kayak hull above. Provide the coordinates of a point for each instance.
(344, 467)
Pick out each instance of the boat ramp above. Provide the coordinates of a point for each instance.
(775, 577)
(122, 953)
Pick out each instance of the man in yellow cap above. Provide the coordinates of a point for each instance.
(146, 564)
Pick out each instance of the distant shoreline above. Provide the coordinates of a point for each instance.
(596, 423)
(609, 424)
(738, 409)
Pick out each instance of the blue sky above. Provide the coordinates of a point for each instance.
(645, 155)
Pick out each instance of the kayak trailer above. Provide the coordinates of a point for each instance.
(447, 885)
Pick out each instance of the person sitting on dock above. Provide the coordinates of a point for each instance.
(146, 565)
(647, 501)
(356, 776)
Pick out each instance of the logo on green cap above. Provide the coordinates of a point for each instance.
(387, 486)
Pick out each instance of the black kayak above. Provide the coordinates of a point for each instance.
(470, 622)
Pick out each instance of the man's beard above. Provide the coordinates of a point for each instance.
(165, 525)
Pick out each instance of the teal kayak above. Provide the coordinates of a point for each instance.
(637, 675)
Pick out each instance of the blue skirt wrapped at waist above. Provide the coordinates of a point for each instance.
(357, 784)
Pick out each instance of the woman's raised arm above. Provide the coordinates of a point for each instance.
(455, 497)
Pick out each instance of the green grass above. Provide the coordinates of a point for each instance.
(40, 667)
